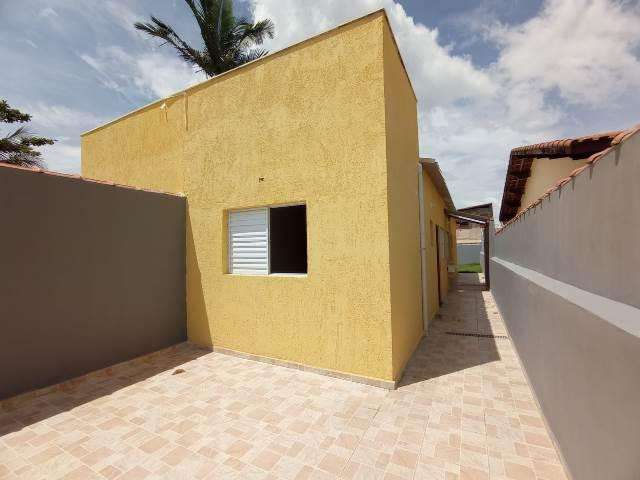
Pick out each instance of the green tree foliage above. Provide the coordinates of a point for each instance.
(17, 148)
(227, 42)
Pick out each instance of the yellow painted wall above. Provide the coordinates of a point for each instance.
(404, 225)
(453, 245)
(545, 173)
(144, 149)
(313, 125)
(435, 217)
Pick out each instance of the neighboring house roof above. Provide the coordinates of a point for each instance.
(50, 173)
(571, 147)
(483, 210)
(435, 174)
(521, 159)
(266, 58)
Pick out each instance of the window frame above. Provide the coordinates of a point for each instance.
(268, 209)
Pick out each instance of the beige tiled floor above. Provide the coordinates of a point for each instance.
(464, 411)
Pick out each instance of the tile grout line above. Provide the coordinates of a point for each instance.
(360, 439)
(484, 408)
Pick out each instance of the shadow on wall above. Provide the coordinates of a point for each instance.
(27, 411)
(444, 350)
(198, 326)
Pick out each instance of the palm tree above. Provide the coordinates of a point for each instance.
(227, 42)
(17, 148)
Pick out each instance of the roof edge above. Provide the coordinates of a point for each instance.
(402, 62)
(432, 167)
(521, 159)
(623, 136)
(71, 176)
(268, 57)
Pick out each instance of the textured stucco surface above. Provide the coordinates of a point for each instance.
(92, 275)
(312, 130)
(582, 365)
(145, 149)
(545, 173)
(403, 211)
(435, 217)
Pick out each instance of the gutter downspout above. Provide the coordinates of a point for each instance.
(423, 248)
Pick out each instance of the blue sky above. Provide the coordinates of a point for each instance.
(489, 75)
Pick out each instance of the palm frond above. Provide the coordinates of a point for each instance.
(250, 55)
(257, 32)
(227, 42)
(157, 28)
(17, 148)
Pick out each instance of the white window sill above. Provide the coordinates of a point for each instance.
(292, 275)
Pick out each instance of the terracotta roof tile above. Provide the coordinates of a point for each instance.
(590, 147)
(615, 139)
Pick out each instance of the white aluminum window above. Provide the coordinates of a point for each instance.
(249, 241)
(270, 240)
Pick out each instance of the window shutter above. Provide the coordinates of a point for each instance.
(249, 242)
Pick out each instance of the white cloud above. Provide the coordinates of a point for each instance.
(62, 156)
(31, 43)
(48, 12)
(162, 75)
(471, 117)
(62, 118)
(436, 73)
(586, 49)
(123, 15)
(152, 74)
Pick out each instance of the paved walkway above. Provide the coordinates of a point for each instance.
(464, 411)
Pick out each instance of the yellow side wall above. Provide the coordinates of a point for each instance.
(435, 216)
(545, 173)
(453, 255)
(404, 225)
(145, 149)
(309, 122)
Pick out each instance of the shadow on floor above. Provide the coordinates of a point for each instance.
(440, 353)
(469, 281)
(28, 411)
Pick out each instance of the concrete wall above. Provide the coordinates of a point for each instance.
(313, 127)
(565, 277)
(469, 253)
(92, 275)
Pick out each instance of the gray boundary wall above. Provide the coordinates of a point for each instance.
(469, 253)
(92, 274)
(566, 278)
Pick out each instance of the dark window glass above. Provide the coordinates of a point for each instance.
(288, 239)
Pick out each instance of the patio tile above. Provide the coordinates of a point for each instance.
(462, 411)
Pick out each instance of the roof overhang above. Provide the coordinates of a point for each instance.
(467, 217)
(521, 160)
(435, 174)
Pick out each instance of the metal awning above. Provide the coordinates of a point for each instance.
(467, 217)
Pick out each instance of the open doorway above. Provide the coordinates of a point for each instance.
(474, 255)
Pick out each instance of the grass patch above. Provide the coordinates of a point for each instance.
(470, 268)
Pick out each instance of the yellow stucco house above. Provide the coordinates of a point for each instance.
(301, 172)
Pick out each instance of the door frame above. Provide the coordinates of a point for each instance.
(438, 272)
